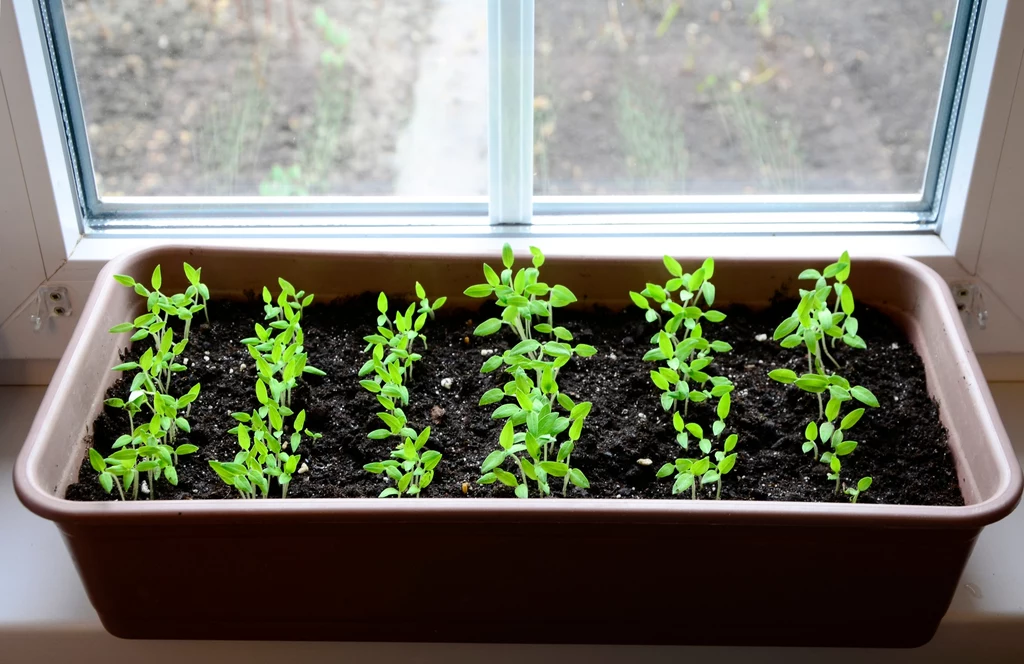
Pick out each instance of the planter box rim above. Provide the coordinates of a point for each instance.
(45, 504)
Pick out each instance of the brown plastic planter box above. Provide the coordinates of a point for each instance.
(655, 571)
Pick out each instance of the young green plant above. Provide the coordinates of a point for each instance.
(814, 320)
(267, 449)
(391, 361)
(862, 486)
(535, 452)
(149, 447)
(269, 446)
(411, 467)
(281, 358)
(681, 343)
(689, 472)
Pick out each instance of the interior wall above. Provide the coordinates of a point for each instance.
(21, 263)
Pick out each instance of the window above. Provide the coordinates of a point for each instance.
(438, 111)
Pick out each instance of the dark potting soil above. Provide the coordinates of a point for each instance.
(903, 445)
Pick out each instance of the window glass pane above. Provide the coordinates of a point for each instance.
(283, 97)
(737, 96)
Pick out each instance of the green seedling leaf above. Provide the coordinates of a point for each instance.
(487, 327)
(96, 461)
(577, 477)
(683, 482)
(491, 396)
(845, 447)
(639, 300)
(553, 468)
(507, 256)
(786, 328)
(525, 346)
(812, 383)
(505, 477)
(851, 419)
(714, 316)
(784, 376)
(673, 266)
(846, 300)
(864, 484)
(561, 296)
(853, 341)
(724, 404)
(491, 364)
(863, 395)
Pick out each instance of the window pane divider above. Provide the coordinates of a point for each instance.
(510, 142)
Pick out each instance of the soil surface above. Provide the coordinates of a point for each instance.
(903, 445)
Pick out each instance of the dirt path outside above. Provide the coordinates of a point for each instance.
(443, 149)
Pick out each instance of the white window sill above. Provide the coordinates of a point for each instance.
(93, 251)
(45, 615)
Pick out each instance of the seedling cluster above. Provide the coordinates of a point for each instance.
(534, 451)
(269, 443)
(542, 426)
(392, 355)
(411, 467)
(149, 446)
(810, 326)
(687, 355)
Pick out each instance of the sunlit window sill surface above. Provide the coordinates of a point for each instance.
(91, 252)
(46, 617)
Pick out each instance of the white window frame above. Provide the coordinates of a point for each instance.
(951, 243)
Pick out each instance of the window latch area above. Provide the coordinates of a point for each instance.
(51, 302)
(970, 302)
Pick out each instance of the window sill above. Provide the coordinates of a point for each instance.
(93, 251)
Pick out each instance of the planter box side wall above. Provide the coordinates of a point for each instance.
(882, 283)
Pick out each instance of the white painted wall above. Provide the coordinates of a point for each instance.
(21, 264)
(1001, 258)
